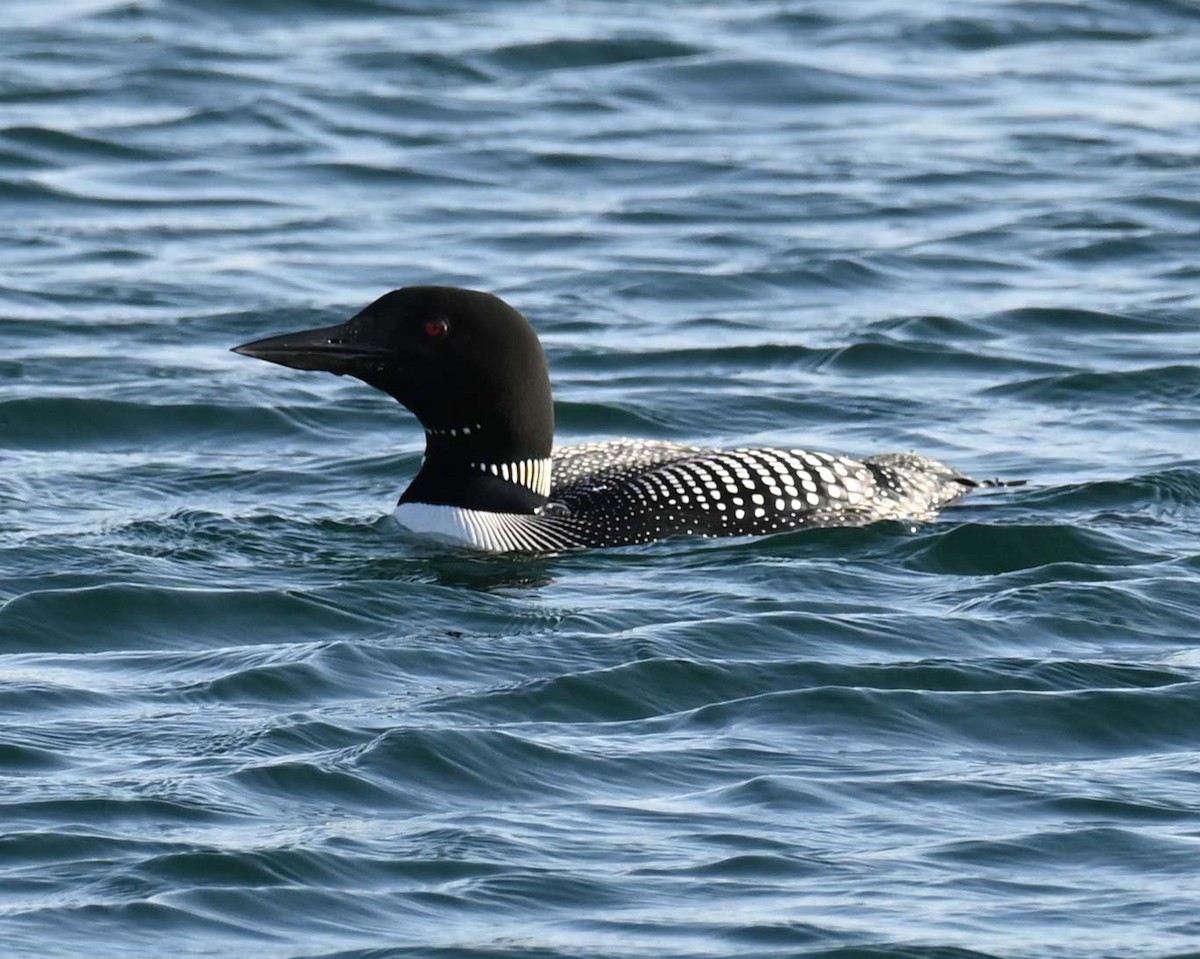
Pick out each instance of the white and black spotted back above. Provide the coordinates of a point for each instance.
(635, 491)
(595, 462)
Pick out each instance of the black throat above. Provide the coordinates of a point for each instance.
(475, 466)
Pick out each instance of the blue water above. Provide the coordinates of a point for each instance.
(242, 715)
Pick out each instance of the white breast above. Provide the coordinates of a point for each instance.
(479, 529)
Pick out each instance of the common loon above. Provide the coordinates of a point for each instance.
(471, 369)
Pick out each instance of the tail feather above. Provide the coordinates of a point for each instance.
(988, 483)
(922, 486)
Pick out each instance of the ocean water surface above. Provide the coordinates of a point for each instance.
(242, 715)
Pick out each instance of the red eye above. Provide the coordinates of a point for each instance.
(436, 329)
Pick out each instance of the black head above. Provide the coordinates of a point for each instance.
(456, 358)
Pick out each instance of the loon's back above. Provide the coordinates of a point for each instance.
(636, 491)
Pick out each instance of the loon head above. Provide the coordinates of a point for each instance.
(464, 362)
(467, 365)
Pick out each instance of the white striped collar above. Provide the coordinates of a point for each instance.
(455, 430)
(532, 474)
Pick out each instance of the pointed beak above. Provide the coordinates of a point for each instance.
(330, 348)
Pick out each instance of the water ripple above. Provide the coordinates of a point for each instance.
(240, 713)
